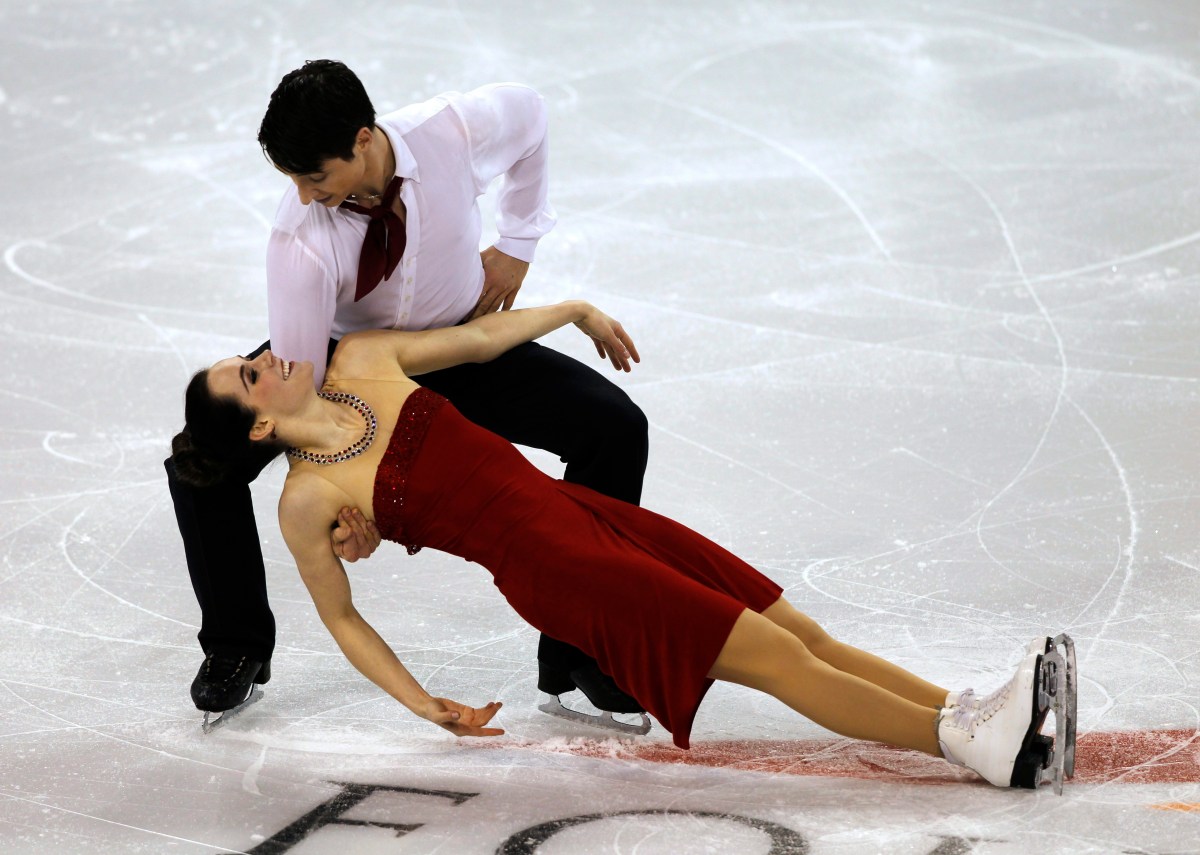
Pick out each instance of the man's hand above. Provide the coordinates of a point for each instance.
(355, 536)
(610, 338)
(460, 719)
(502, 278)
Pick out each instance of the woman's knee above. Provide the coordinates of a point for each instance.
(759, 651)
(808, 631)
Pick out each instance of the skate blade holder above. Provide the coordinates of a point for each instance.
(604, 720)
(1060, 695)
(212, 720)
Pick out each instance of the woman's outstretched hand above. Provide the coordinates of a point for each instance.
(460, 719)
(610, 338)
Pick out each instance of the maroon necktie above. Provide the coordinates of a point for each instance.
(384, 243)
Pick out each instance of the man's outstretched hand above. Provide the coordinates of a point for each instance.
(354, 536)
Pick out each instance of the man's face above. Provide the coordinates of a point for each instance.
(336, 180)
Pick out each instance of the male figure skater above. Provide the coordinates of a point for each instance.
(382, 230)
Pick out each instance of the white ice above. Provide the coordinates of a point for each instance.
(916, 289)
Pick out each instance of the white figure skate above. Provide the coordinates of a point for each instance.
(970, 698)
(999, 736)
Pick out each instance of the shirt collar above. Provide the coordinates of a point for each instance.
(406, 164)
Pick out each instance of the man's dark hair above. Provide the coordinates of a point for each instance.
(313, 115)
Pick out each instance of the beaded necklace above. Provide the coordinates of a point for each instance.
(364, 410)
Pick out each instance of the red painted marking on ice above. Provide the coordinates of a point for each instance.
(1129, 757)
(1140, 757)
(1182, 807)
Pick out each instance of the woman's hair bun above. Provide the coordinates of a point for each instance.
(215, 443)
(193, 465)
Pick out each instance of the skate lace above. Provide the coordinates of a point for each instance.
(219, 667)
(993, 702)
(960, 718)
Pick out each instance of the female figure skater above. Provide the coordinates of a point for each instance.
(564, 556)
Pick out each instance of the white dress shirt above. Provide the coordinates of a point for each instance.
(448, 150)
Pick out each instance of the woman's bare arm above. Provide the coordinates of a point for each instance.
(481, 340)
(307, 507)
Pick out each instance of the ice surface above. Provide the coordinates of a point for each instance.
(916, 289)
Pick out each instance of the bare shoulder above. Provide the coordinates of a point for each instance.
(368, 353)
(308, 505)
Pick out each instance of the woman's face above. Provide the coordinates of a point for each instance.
(266, 384)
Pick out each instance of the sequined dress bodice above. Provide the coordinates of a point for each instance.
(391, 478)
(446, 483)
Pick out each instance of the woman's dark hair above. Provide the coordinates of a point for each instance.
(214, 445)
(313, 115)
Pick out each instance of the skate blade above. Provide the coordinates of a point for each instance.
(604, 720)
(212, 720)
(1059, 678)
(1061, 660)
(1066, 647)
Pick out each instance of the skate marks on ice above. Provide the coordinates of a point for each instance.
(942, 274)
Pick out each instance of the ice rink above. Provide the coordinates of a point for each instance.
(916, 290)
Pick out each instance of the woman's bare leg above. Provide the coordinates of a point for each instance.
(763, 655)
(852, 660)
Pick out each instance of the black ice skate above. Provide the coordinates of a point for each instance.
(599, 689)
(225, 685)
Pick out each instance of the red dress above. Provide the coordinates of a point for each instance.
(649, 599)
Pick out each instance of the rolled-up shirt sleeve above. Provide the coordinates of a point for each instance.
(301, 301)
(506, 126)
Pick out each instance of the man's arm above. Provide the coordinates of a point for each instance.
(506, 126)
(301, 301)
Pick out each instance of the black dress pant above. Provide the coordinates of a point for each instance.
(531, 396)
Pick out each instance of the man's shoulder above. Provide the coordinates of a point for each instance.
(409, 118)
(292, 216)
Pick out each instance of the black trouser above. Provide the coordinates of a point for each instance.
(530, 395)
